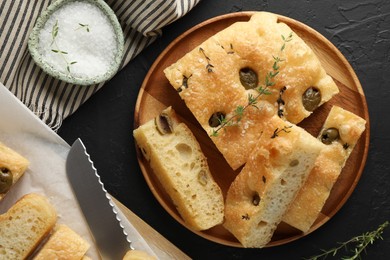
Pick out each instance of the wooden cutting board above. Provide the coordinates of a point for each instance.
(159, 244)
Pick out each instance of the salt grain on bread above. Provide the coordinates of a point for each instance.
(311, 198)
(180, 165)
(11, 164)
(262, 192)
(25, 225)
(64, 243)
(208, 77)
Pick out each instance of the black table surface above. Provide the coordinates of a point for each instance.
(360, 29)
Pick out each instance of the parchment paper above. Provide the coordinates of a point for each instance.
(22, 131)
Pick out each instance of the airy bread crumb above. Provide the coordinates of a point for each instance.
(180, 165)
(25, 225)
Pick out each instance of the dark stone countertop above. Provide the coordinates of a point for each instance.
(359, 29)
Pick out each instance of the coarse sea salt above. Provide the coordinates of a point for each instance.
(85, 44)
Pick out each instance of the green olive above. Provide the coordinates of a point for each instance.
(248, 78)
(256, 199)
(6, 179)
(216, 119)
(202, 177)
(329, 135)
(311, 98)
(163, 123)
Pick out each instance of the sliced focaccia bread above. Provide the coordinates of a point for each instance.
(341, 131)
(64, 243)
(12, 167)
(180, 165)
(240, 57)
(262, 192)
(25, 225)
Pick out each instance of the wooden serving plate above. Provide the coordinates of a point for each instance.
(156, 94)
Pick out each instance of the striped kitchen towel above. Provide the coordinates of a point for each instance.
(51, 99)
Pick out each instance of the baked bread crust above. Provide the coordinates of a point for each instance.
(181, 167)
(25, 225)
(64, 243)
(137, 255)
(207, 78)
(13, 162)
(262, 192)
(328, 166)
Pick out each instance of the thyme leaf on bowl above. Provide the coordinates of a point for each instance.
(56, 49)
(83, 26)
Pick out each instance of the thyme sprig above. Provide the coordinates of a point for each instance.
(62, 53)
(85, 26)
(361, 242)
(209, 66)
(284, 129)
(253, 99)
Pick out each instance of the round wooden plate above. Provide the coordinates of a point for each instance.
(156, 94)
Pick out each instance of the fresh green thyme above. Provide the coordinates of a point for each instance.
(184, 83)
(85, 26)
(231, 51)
(62, 53)
(285, 40)
(284, 129)
(209, 66)
(245, 217)
(252, 99)
(360, 242)
(281, 102)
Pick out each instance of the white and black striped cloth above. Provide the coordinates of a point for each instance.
(51, 99)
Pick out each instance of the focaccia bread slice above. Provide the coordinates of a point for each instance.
(237, 140)
(64, 243)
(345, 130)
(213, 68)
(25, 225)
(177, 160)
(262, 192)
(12, 167)
(218, 76)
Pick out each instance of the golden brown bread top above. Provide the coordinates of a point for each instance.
(213, 67)
(208, 80)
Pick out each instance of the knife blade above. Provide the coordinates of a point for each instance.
(96, 204)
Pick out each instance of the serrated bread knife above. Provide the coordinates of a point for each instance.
(96, 204)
